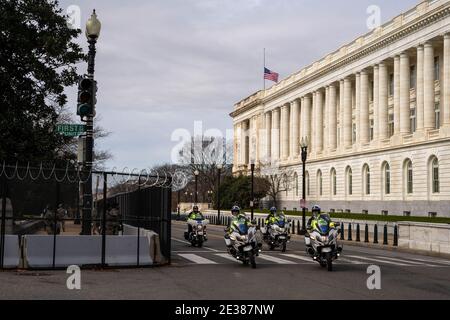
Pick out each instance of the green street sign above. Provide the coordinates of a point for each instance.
(71, 130)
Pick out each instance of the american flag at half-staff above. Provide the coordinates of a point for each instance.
(270, 75)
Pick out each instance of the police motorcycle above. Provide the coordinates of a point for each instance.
(278, 233)
(322, 244)
(242, 242)
(196, 233)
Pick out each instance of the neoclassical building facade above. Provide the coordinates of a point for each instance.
(376, 115)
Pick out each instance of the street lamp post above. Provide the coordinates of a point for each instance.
(304, 148)
(196, 186)
(93, 27)
(252, 169)
(219, 168)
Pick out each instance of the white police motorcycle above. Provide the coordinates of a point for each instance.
(197, 234)
(243, 243)
(322, 244)
(278, 233)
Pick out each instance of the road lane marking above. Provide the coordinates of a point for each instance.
(187, 242)
(297, 257)
(349, 261)
(378, 260)
(408, 261)
(276, 260)
(197, 259)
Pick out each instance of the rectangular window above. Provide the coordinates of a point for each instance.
(391, 84)
(350, 185)
(437, 72)
(371, 91)
(410, 181)
(437, 115)
(371, 129)
(412, 120)
(412, 76)
(334, 185)
(391, 124)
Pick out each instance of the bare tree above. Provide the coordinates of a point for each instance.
(280, 180)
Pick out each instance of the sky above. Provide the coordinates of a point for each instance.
(161, 65)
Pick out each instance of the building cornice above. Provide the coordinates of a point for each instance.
(429, 18)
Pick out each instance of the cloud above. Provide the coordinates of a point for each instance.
(163, 64)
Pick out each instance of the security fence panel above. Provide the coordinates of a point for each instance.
(42, 224)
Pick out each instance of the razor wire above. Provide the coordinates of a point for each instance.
(50, 172)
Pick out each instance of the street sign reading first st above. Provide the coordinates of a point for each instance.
(71, 130)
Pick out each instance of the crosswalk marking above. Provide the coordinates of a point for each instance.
(350, 261)
(197, 259)
(431, 261)
(378, 260)
(226, 256)
(274, 259)
(297, 257)
(409, 261)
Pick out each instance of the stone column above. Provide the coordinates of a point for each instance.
(347, 112)
(404, 93)
(275, 144)
(376, 98)
(295, 130)
(358, 105)
(332, 123)
(341, 113)
(285, 132)
(268, 132)
(428, 92)
(318, 119)
(325, 119)
(306, 119)
(397, 94)
(383, 103)
(419, 88)
(446, 84)
(364, 110)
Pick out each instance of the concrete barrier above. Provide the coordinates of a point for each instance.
(11, 257)
(83, 250)
(426, 237)
(152, 238)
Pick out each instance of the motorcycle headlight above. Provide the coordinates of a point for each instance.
(199, 227)
(323, 238)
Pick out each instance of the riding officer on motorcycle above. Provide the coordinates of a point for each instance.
(316, 214)
(236, 216)
(194, 215)
(272, 218)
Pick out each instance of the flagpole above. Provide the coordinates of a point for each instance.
(264, 69)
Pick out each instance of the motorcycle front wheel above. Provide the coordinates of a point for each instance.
(283, 248)
(329, 262)
(252, 260)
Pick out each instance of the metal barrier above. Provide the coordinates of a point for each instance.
(48, 200)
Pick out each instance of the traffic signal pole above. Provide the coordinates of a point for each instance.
(87, 166)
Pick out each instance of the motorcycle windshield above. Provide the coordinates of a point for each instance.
(243, 228)
(281, 223)
(323, 226)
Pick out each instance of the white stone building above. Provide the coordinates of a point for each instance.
(377, 116)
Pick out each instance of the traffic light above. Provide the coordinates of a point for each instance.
(87, 89)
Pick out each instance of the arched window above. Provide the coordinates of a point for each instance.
(307, 183)
(319, 183)
(387, 178)
(435, 175)
(366, 179)
(296, 184)
(333, 182)
(349, 176)
(408, 168)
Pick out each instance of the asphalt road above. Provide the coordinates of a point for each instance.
(208, 273)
